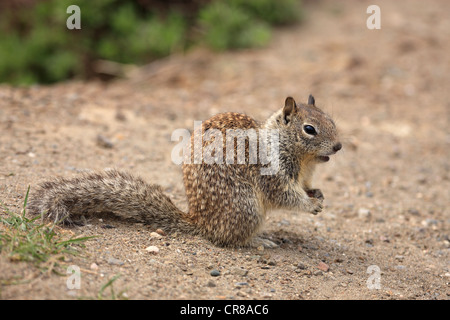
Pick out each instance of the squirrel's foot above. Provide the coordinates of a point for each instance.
(315, 206)
(315, 200)
(258, 241)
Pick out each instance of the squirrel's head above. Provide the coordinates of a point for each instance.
(311, 129)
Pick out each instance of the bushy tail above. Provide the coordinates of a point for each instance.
(66, 200)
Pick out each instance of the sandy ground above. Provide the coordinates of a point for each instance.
(384, 232)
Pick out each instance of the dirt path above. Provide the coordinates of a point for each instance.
(387, 193)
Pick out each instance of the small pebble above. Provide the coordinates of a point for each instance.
(152, 249)
(155, 235)
(318, 273)
(215, 273)
(364, 213)
(241, 284)
(239, 272)
(115, 261)
(301, 266)
(323, 266)
(104, 142)
(94, 266)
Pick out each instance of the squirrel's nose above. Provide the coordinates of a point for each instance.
(337, 147)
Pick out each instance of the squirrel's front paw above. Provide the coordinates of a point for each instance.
(316, 206)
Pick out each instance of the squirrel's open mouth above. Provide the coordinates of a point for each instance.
(323, 158)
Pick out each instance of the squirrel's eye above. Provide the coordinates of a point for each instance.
(310, 129)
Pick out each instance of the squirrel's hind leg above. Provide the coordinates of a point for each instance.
(256, 242)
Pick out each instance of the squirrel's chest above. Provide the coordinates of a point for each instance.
(305, 174)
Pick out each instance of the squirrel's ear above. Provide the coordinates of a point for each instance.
(311, 100)
(290, 107)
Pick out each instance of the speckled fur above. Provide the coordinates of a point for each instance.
(227, 202)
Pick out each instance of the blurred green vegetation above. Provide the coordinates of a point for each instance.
(37, 47)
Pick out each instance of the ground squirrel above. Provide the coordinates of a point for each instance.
(227, 202)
